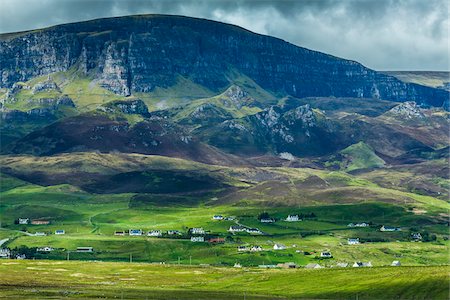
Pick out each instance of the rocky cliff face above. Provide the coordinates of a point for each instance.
(139, 53)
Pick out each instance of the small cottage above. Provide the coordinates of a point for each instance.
(237, 265)
(120, 232)
(5, 253)
(342, 265)
(396, 263)
(416, 237)
(85, 249)
(155, 233)
(267, 220)
(198, 230)
(60, 232)
(216, 240)
(40, 222)
(242, 248)
(40, 234)
(313, 266)
(45, 249)
(23, 221)
(197, 239)
(279, 247)
(353, 241)
(389, 228)
(256, 248)
(326, 254)
(173, 232)
(218, 217)
(287, 265)
(135, 232)
(236, 228)
(253, 231)
(293, 218)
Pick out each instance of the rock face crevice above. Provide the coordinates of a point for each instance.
(139, 53)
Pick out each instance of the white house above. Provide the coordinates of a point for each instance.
(60, 231)
(313, 266)
(217, 217)
(154, 233)
(197, 239)
(326, 254)
(237, 265)
(135, 232)
(293, 218)
(237, 228)
(173, 232)
(24, 221)
(268, 220)
(198, 230)
(396, 263)
(45, 249)
(353, 241)
(389, 228)
(253, 230)
(279, 247)
(5, 253)
(416, 236)
(256, 248)
(363, 224)
(359, 264)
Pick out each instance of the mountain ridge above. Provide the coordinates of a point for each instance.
(133, 54)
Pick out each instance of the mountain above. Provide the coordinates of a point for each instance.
(205, 91)
(139, 54)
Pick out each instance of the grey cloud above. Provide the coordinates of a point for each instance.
(382, 34)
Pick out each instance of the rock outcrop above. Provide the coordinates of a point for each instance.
(138, 53)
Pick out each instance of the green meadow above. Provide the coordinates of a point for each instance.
(106, 280)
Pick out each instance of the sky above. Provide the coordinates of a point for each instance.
(381, 34)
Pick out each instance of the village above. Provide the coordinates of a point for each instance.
(200, 235)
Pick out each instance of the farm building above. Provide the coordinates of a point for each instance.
(256, 248)
(396, 263)
(5, 253)
(135, 232)
(313, 266)
(237, 228)
(40, 222)
(416, 236)
(253, 231)
(197, 239)
(287, 265)
(362, 264)
(197, 230)
(293, 218)
(363, 224)
(326, 254)
(173, 232)
(155, 233)
(45, 249)
(389, 228)
(279, 247)
(353, 241)
(242, 248)
(85, 249)
(267, 220)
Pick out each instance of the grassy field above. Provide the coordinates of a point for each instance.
(62, 279)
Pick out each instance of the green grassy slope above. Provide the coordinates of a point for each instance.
(138, 281)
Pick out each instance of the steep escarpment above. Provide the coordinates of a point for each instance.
(137, 54)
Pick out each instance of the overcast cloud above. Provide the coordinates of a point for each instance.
(381, 34)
